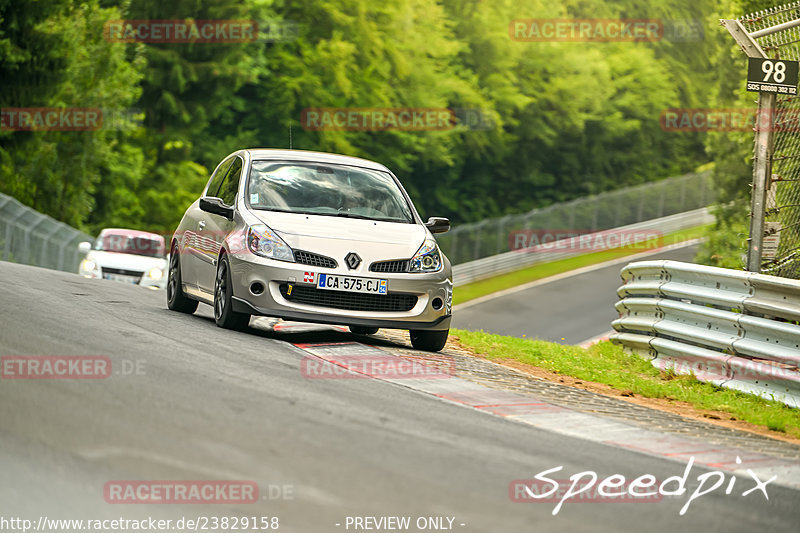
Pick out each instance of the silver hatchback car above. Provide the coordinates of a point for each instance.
(314, 237)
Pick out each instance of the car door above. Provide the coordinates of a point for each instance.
(213, 229)
(192, 256)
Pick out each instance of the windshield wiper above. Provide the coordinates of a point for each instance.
(351, 215)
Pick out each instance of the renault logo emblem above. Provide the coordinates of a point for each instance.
(352, 260)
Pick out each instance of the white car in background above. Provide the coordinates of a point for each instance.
(127, 256)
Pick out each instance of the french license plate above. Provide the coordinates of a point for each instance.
(123, 279)
(350, 284)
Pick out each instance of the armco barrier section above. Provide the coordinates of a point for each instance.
(510, 261)
(32, 238)
(612, 209)
(732, 328)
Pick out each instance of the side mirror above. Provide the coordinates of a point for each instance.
(215, 206)
(85, 247)
(438, 225)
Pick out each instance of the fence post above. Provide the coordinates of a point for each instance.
(762, 157)
(7, 245)
(47, 238)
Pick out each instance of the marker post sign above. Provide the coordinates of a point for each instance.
(776, 76)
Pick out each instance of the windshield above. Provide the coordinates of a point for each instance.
(322, 189)
(130, 244)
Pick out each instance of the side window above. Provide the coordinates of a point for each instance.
(230, 186)
(219, 175)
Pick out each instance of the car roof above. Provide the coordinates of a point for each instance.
(317, 157)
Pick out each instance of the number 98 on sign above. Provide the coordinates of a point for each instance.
(772, 76)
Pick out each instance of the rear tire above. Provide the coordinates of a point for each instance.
(363, 330)
(224, 315)
(430, 341)
(176, 300)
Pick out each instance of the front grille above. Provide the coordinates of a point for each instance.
(352, 301)
(397, 265)
(307, 258)
(122, 272)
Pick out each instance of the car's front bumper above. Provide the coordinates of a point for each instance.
(145, 281)
(430, 291)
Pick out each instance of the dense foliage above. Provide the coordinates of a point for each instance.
(561, 119)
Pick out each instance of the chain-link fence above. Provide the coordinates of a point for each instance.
(468, 242)
(775, 33)
(29, 237)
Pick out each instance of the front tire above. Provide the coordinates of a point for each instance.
(430, 341)
(224, 315)
(176, 300)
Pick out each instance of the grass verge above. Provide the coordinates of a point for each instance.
(608, 364)
(470, 291)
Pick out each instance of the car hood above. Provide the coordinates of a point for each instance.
(336, 236)
(126, 261)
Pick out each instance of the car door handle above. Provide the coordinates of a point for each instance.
(201, 224)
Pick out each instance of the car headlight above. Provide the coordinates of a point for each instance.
(264, 242)
(88, 264)
(155, 273)
(427, 258)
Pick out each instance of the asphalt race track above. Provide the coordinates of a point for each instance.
(189, 401)
(569, 310)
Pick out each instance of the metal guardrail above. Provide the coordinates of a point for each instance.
(611, 209)
(510, 261)
(32, 238)
(732, 328)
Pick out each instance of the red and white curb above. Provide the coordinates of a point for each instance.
(592, 427)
